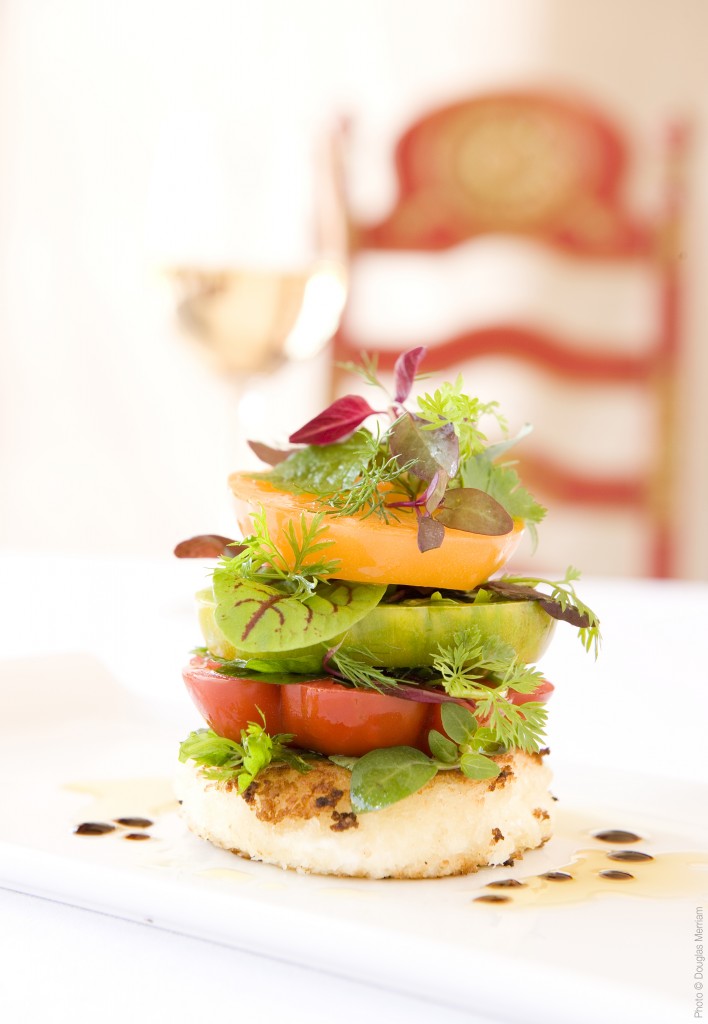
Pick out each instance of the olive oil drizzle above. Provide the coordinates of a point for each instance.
(590, 874)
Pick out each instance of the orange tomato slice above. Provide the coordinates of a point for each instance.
(371, 551)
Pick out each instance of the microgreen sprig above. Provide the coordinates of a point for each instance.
(223, 760)
(417, 462)
(297, 571)
(562, 603)
(484, 670)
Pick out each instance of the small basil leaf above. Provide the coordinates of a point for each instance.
(442, 748)
(477, 766)
(469, 509)
(458, 722)
(383, 777)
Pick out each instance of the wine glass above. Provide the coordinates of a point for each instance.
(259, 277)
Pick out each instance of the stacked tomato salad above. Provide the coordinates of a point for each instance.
(360, 620)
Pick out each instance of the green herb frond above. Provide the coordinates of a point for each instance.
(468, 666)
(296, 570)
(355, 666)
(450, 404)
(367, 369)
(226, 761)
(379, 476)
(563, 591)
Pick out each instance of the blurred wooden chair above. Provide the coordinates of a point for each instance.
(550, 170)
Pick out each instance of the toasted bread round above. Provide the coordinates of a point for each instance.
(452, 826)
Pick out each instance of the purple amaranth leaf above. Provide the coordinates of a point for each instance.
(337, 422)
(516, 592)
(435, 491)
(271, 456)
(429, 451)
(422, 695)
(405, 370)
(431, 533)
(474, 511)
(208, 545)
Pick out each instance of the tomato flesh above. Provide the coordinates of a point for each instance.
(226, 704)
(323, 715)
(334, 719)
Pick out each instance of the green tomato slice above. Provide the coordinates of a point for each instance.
(408, 636)
(400, 636)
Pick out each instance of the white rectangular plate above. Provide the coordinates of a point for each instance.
(76, 746)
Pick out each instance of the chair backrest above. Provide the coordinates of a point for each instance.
(551, 172)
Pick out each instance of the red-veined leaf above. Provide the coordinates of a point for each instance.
(404, 371)
(338, 421)
(474, 511)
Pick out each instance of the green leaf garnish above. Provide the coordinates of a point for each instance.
(383, 777)
(321, 469)
(223, 760)
(458, 722)
(258, 617)
(477, 766)
(442, 748)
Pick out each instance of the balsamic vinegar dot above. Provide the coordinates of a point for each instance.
(557, 876)
(492, 898)
(506, 883)
(617, 876)
(134, 822)
(628, 855)
(617, 835)
(93, 828)
(136, 835)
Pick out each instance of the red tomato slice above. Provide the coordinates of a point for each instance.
(322, 715)
(335, 719)
(228, 704)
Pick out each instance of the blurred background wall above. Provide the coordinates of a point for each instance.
(125, 134)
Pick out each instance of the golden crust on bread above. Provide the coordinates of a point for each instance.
(453, 825)
(284, 794)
